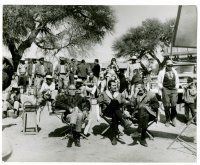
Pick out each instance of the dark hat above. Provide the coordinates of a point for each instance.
(189, 80)
(15, 88)
(42, 58)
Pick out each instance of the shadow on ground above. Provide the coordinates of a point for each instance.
(59, 132)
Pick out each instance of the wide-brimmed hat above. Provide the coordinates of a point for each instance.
(49, 77)
(79, 80)
(169, 63)
(133, 58)
(72, 87)
(41, 58)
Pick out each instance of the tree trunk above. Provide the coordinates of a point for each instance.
(15, 54)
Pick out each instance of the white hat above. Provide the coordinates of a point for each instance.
(169, 63)
(72, 87)
(49, 77)
(79, 80)
(133, 57)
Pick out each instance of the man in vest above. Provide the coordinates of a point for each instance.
(62, 73)
(168, 83)
(110, 101)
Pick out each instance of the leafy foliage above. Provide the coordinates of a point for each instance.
(54, 27)
(144, 39)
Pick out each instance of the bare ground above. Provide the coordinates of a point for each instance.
(47, 145)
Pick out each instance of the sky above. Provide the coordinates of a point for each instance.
(127, 17)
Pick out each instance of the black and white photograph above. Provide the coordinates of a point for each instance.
(99, 83)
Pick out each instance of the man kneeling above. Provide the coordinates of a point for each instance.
(77, 108)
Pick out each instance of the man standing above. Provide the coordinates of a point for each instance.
(168, 83)
(189, 97)
(73, 70)
(22, 72)
(40, 71)
(62, 73)
(31, 70)
(110, 101)
(82, 70)
(96, 68)
(132, 68)
(146, 105)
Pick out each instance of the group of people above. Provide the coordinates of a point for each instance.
(120, 96)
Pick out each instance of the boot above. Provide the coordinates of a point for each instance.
(77, 139)
(70, 142)
(174, 122)
(144, 143)
(114, 141)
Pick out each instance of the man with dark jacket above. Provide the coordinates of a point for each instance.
(146, 105)
(77, 108)
(82, 70)
(96, 68)
(110, 101)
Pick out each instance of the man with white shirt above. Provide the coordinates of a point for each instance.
(168, 83)
(45, 94)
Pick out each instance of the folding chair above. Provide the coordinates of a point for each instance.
(108, 121)
(134, 119)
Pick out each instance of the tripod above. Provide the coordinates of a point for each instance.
(178, 138)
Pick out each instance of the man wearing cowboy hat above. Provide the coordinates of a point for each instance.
(131, 69)
(45, 94)
(168, 83)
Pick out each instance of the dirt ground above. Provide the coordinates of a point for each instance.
(47, 145)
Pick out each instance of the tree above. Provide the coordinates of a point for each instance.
(144, 39)
(53, 28)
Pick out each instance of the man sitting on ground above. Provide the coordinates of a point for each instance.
(12, 102)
